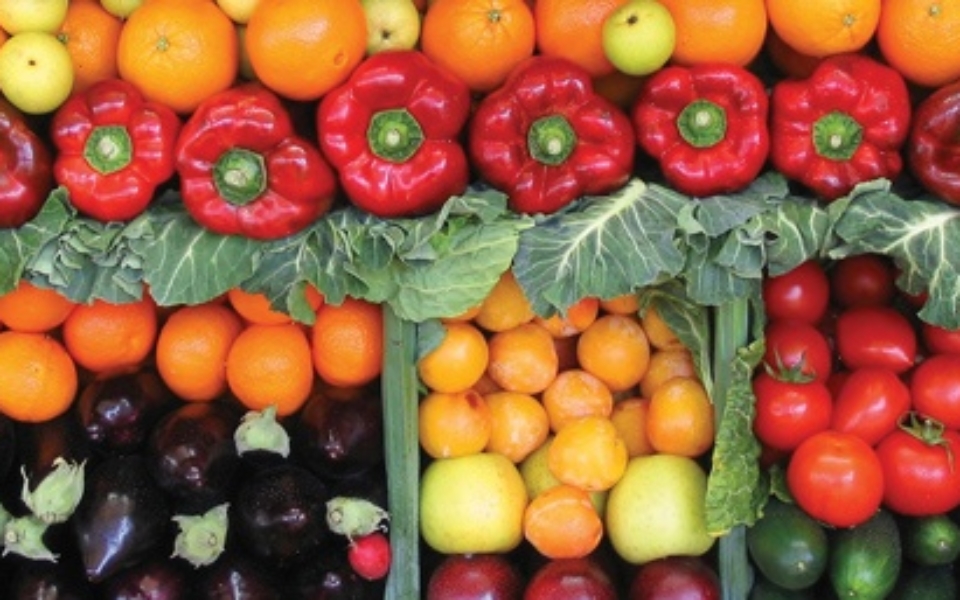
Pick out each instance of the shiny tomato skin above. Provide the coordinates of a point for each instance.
(940, 340)
(836, 478)
(789, 412)
(870, 403)
(935, 389)
(920, 478)
(803, 293)
(863, 280)
(876, 336)
(795, 345)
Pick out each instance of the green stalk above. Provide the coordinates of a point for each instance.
(399, 386)
(731, 332)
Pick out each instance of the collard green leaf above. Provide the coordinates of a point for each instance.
(20, 247)
(604, 246)
(797, 229)
(921, 235)
(282, 274)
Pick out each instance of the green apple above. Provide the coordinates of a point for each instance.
(120, 8)
(36, 73)
(639, 37)
(472, 504)
(17, 16)
(657, 509)
(391, 25)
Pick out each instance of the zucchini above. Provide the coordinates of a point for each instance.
(932, 540)
(788, 546)
(865, 560)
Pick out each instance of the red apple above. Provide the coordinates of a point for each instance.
(675, 578)
(475, 577)
(571, 579)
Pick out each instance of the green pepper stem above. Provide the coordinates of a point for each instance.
(837, 135)
(702, 123)
(108, 149)
(240, 176)
(394, 135)
(551, 139)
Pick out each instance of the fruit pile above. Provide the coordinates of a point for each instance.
(470, 189)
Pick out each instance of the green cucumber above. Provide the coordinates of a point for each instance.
(926, 583)
(764, 589)
(788, 546)
(930, 541)
(865, 560)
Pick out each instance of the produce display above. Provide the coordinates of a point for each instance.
(459, 298)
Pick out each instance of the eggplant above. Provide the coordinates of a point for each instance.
(42, 580)
(123, 517)
(192, 455)
(279, 515)
(154, 578)
(338, 438)
(39, 445)
(330, 577)
(118, 412)
(236, 576)
(370, 485)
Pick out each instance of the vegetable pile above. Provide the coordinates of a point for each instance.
(419, 177)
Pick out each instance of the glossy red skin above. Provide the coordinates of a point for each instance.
(675, 578)
(836, 478)
(26, 168)
(920, 478)
(933, 153)
(863, 280)
(787, 412)
(802, 293)
(870, 403)
(935, 389)
(795, 345)
(570, 579)
(940, 340)
(475, 577)
(876, 336)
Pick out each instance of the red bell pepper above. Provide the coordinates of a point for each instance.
(244, 171)
(114, 149)
(844, 124)
(26, 168)
(546, 138)
(933, 152)
(392, 131)
(705, 125)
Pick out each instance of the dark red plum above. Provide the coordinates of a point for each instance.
(475, 577)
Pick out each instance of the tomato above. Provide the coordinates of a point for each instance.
(940, 340)
(919, 471)
(788, 412)
(870, 403)
(876, 336)
(935, 389)
(797, 346)
(863, 280)
(802, 293)
(836, 477)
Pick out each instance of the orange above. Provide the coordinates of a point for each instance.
(624, 304)
(921, 39)
(270, 365)
(34, 309)
(615, 349)
(573, 29)
(91, 35)
(665, 365)
(680, 418)
(301, 49)
(38, 379)
(523, 359)
(730, 31)
(574, 394)
(588, 453)
(821, 28)
(659, 334)
(505, 306)
(479, 41)
(466, 315)
(255, 307)
(561, 522)
(629, 417)
(458, 362)
(347, 341)
(192, 350)
(104, 337)
(453, 424)
(519, 424)
(178, 52)
(576, 318)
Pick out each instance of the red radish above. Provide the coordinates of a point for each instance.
(369, 555)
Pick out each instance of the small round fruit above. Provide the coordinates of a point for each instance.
(17, 16)
(36, 72)
(639, 37)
